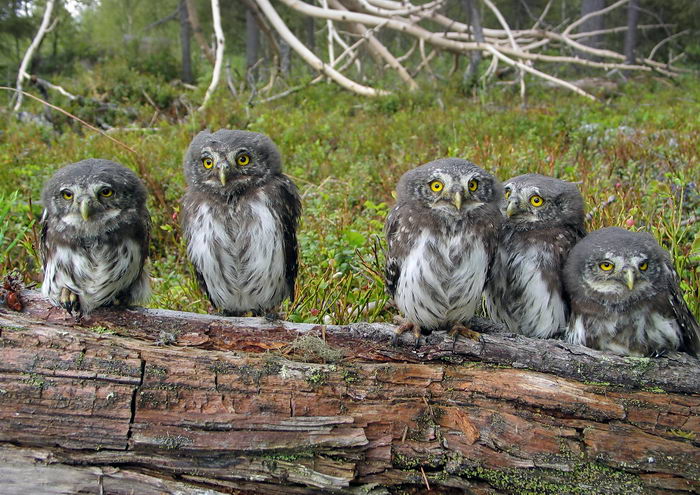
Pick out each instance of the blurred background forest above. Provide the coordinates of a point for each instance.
(616, 111)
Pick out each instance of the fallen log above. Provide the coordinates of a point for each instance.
(155, 401)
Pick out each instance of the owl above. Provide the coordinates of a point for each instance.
(239, 217)
(544, 220)
(441, 237)
(95, 231)
(625, 296)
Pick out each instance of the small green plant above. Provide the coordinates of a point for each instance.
(13, 231)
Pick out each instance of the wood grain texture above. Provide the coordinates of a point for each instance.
(169, 402)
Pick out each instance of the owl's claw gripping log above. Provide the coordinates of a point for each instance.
(458, 330)
(69, 301)
(406, 326)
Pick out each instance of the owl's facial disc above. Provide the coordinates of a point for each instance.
(619, 276)
(444, 193)
(522, 205)
(221, 168)
(84, 204)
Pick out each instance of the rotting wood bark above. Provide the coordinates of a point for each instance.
(146, 400)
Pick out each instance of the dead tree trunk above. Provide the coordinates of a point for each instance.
(197, 30)
(594, 24)
(252, 45)
(474, 15)
(153, 401)
(630, 48)
(185, 43)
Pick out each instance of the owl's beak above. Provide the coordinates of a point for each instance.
(512, 208)
(85, 208)
(629, 278)
(222, 175)
(457, 201)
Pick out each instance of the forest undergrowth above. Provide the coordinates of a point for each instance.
(640, 144)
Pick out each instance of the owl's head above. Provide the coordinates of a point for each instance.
(613, 265)
(229, 162)
(93, 195)
(534, 199)
(449, 186)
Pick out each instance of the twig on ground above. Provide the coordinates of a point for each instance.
(600, 207)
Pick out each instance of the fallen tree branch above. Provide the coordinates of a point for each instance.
(309, 56)
(666, 40)
(377, 49)
(518, 48)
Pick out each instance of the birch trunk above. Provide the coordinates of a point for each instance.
(22, 73)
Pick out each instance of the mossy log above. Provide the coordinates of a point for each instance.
(153, 401)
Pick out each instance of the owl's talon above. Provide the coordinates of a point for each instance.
(70, 302)
(458, 330)
(406, 326)
(658, 353)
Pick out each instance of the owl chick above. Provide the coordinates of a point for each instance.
(544, 220)
(95, 231)
(625, 296)
(441, 237)
(240, 216)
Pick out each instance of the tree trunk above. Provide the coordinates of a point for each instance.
(185, 43)
(631, 35)
(285, 58)
(33, 46)
(471, 9)
(593, 24)
(310, 30)
(197, 30)
(153, 401)
(252, 43)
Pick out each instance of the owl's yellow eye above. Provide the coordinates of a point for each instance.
(643, 266)
(106, 192)
(207, 162)
(243, 159)
(67, 195)
(507, 193)
(536, 201)
(606, 266)
(436, 186)
(473, 185)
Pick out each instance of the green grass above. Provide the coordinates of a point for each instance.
(346, 153)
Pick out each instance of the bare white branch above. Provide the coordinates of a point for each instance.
(557, 81)
(22, 73)
(309, 57)
(518, 48)
(664, 41)
(502, 21)
(590, 15)
(220, 43)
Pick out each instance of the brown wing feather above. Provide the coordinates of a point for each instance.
(690, 329)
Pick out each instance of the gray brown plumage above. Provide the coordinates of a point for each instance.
(544, 220)
(94, 236)
(240, 215)
(625, 296)
(441, 236)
